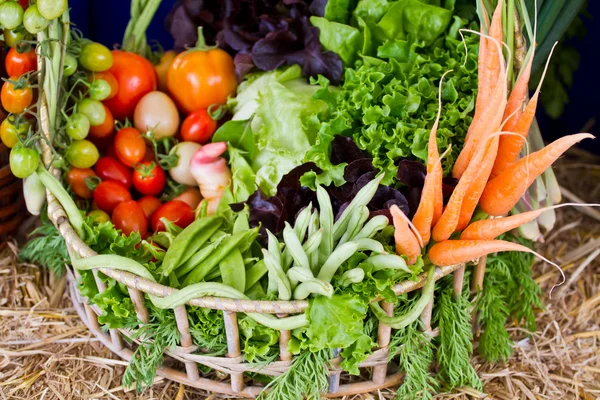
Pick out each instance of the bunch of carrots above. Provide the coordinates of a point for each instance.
(488, 169)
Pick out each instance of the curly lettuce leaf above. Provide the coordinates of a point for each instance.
(257, 339)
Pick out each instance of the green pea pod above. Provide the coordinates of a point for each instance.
(388, 261)
(255, 292)
(173, 281)
(373, 226)
(255, 273)
(402, 321)
(326, 219)
(197, 258)
(233, 270)
(276, 274)
(240, 240)
(354, 275)
(189, 241)
(314, 286)
(215, 274)
(241, 222)
(336, 259)
(362, 198)
(294, 247)
(357, 220)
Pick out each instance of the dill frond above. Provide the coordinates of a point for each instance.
(46, 248)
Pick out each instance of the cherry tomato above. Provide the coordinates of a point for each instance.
(70, 65)
(111, 169)
(11, 15)
(33, 21)
(95, 57)
(199, 78)
(51, 9)
(175, 211)
(130, 146)
(78, 126)
(99, 90)
(76, 179)
(106, 128)
(23, 161)
(82, 154)
(148, 178)
(149, 204)
(136, 77)
(163, 67)
(99, 216)
(11, 130)
(109, 78)
(13, 37)
(94, 110)
(18, 64)
(198, 127)
(129, 217)
(109, 194)
(16, 95)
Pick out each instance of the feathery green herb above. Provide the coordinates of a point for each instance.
(47, 248)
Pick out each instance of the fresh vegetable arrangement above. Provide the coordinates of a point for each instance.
(328, 151)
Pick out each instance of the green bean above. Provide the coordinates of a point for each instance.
(114, 262)
(273, 246)
(311, 246)
(362, 198)
(314, 286)
(354, 275)
(371, 245)
(357, 220)
(302, 222)
(294, 247)
(313, 224)
(240, 240)
(255, 292)
(233, 270)
(373, 226)
(255, 273)
(388, 261)
(276, 274)
(336, 259)
(197, 258)
(326, 219)
(299, 274)
(402, 321)
(173, 281)
(189, 241)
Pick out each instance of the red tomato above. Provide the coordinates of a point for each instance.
(106, 128)
(198, 127)
(111, 169)
(16, 95)
(149, 204)
(148, 178)
(109, 78)
(76, 179)
(129, 217)
(136, 76)
(130, 146)
(18, 64)
(109, 194)
(175, 211)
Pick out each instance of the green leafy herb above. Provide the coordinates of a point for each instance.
(46, 248)
(207, 328)
(259, 342)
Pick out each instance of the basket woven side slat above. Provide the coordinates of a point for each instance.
(458, 279)
(383, 340)
(478, 275)
(232, 331)
(137, 298)
(284, 339)
(183, 326)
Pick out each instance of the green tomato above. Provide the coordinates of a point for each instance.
(33, 21)
(11, 14)
(95, 57)
(82, 154)
(12, 37)
(78, 126)
(100, 90)
(51, 9)
(94, 110)
(23, 161)
(99, 216)
(70, 65)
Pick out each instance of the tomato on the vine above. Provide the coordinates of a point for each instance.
(109, 194)
(136, 77)
(175, 211)
(18, 64)
(130, 146)
(95, 57)
(10, 131)
(149, 204)
(109, 78)
(11, 15)
(106, 128)
(51, 9)
(82, 154)
(111, 169)
(94, 110)
(198, 127)
(99, 90)
(23, 161)
(77, 179)
(33, 21)
(129, 217)
(13, 36)
(16, 95)
(70, 65)
(148, 178)
(78, 126)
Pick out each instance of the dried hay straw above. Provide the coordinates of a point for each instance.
(46, 352)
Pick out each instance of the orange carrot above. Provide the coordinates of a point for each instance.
(502, 192)
(489, 229)
(517, 97)
(406, 241)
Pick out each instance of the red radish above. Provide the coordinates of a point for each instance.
(211, 172)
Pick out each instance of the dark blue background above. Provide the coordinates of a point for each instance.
(105, 21)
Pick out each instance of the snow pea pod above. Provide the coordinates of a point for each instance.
(233, 271)
(326, 219)
(240, 240)
(189, 241)
(294, 247)
(255, 273)
(402, 321)
(197, 258)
